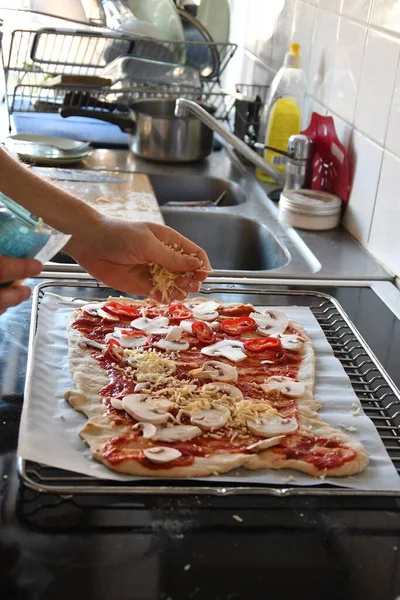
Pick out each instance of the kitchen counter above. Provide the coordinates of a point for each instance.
(116, 548)
(315, 255)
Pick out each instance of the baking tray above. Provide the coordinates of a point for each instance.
(379, 397)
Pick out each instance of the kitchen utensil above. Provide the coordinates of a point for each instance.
(204, 57)
(65, 145)
(74, 81)
(130, 70)
(330, 168)
(156, 133)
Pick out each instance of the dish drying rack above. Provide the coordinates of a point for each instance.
(379, 397)
(31, 58)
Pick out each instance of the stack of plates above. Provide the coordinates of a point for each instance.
(46, 149)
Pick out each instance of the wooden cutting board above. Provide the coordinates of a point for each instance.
(128, 196)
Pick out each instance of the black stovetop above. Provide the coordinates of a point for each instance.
(179, 547)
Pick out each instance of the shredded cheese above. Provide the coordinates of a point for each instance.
(188, 398)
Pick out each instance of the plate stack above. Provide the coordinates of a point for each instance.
(47, 150)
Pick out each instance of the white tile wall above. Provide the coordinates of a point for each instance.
(366, 159)
(351, 55)
(323, 55)
(384, 240)
(376, 85)
(347, 68)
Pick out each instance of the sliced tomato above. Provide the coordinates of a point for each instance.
(118, 309)
(237, 325)
(178, 312)
(238, 310)
(262, 344)
(203, 332)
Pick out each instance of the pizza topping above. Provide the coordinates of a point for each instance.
(179, 312)
(272, 426)
(267, 443)
(117, 404)
(290, 341)
(174, 333)
(92, 343)
(203, 332)
(202, 306)
(121, 309)
(92, 308)
(215, 370)
(161, 454)
(105, 315)
(285, 385)
(262, 344)
(143, 385)
(148, 430)
(237, 325)
(178, 433)
(230, 349)
(211, 419)
(128, 338)
(168, 345)
(145, 408)
(158, 326)
(270, 321)
(236, 310)
(224, 388)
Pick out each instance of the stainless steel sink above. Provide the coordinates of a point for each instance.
(232, 242)
(189, 188)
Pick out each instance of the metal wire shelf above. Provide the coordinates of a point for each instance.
(34, 57)
(379, 397)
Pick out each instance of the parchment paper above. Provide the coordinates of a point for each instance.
(49, 426)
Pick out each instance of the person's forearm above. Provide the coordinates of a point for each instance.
(56, 207)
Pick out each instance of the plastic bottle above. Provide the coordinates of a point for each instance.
(283, 109)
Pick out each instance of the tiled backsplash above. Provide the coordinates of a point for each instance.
(350, 53)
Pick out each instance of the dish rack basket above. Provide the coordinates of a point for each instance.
(31, 58)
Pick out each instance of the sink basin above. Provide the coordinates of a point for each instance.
(232, 242)
(189, 188)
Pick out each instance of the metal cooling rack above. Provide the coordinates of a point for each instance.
(379, 397)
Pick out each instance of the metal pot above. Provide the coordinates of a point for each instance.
(156, 133)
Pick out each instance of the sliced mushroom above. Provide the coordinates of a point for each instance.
(92, 343)
(143, 385)
(105, 315)
(159, 325)
(230, 349)
(117, 404)
(273, 426)
(92, 308)
(178, 433)
(211, 419)
(210, 316)
(145, 408)
(263, 444)
(126, 340)
(174, 333)
(162, 454)
(224, 388)
(148, 430)
(285, 385)
(270, 321)
(201, 306)
(186, 326)
(215, 370)
(291, 342)
(167, 345)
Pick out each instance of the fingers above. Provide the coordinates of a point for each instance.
(12, 296)
(18, 268)
(173, 259)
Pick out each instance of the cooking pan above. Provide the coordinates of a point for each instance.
(155, 132)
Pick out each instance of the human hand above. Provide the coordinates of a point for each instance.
(12, 269)
(118, 253)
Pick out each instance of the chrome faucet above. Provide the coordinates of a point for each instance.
(296, 162)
